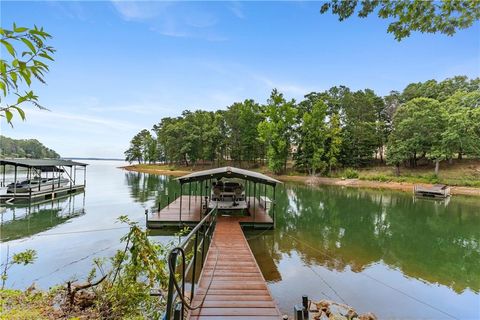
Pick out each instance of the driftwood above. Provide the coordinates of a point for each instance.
(71, 292)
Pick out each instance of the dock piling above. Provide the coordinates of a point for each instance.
(298, 312)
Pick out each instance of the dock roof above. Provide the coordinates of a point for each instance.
(41, 163)
(228, 172)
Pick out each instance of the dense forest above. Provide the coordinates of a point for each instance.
(428, 121)
(24, 148)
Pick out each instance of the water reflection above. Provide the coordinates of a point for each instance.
(24, 220)
(145, 187)
(355, 240)
(339, 228)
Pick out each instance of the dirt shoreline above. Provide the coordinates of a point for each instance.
(353, 183)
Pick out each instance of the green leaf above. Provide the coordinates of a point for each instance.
(46, 56)
(29, 44)
(20, 29)
(20, 112)
(9, 115)
(9, 47)
(14, 76)
(3, 87)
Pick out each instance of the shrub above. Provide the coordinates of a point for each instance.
(350, 173)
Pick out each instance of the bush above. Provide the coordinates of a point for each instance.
(382, 178)
(350, 173)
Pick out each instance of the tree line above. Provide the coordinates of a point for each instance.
(339, 127)
(25, 148)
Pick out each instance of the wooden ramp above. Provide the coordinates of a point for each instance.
(238, 290)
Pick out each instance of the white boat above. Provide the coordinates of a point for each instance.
(3, 190)
(37, 184)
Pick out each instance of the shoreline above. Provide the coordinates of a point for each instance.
(316, 181)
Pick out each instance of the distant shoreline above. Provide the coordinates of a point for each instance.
(313, 181)
(106, 159)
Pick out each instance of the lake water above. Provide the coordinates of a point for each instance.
(378, 251)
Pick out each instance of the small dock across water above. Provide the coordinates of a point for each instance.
(231, 281)
(435, 191)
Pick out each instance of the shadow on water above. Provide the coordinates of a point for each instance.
(25, 220)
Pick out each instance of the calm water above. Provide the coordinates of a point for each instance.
(377, 251)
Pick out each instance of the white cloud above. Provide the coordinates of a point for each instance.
(145, 10)
(172, 19)
(56, 119)
(237, 9)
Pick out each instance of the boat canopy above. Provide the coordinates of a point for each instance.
(42, 164)
(228, 172)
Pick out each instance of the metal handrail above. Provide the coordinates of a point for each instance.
(201, 236)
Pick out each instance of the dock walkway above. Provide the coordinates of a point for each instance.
(191, 214)
(238, 289)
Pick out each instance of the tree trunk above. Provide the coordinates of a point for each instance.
(437, 166)
(460, 155)
(397, 169)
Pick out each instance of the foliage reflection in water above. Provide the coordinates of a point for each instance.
(363, 246)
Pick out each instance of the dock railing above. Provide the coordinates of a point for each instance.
(192, 252)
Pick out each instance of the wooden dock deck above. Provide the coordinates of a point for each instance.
(191, 214)
(238, 289)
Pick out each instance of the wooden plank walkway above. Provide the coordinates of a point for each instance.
(191, 214)
(238, 290)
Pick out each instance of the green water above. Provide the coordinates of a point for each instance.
(378, 251)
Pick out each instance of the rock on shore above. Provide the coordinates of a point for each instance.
(330, 310)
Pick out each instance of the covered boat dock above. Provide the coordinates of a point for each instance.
(42, 179)
(255, 210)
(224, 278)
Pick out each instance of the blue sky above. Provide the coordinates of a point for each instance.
(122, 66)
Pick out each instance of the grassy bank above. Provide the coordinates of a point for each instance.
(463, 176)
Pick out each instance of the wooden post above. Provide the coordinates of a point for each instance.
(274, 204)
(305, 306)
(71, 167)
(181, 192)
(75, 175)
(189, 195)
(298, 312)
(15, 182)
(53, 180)
(29, 177)
(254, 201)
(265, 199)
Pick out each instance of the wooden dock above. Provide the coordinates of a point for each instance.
(191, 214)
(42, 195)
(435, 191)
(238, 289)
